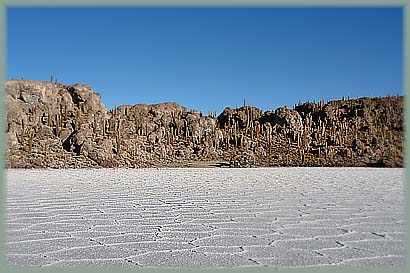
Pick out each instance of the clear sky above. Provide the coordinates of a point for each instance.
(210, 58)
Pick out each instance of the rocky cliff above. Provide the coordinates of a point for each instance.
(57, 126)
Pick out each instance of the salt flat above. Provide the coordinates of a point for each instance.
(205, 217)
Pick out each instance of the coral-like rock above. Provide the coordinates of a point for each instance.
(58, 126)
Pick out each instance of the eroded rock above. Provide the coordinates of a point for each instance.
(58, 126)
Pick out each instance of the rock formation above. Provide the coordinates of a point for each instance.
(50, 125)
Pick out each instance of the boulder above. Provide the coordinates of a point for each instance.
(283, 117)
(243, 116)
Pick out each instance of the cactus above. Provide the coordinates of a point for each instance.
(22, 132)
(257, 130)
(118, 141)
(235, 135)
(49, 119)
(137, 125)
(117, 137)
(78, 119)
(178, 128)
(30, 141)
(57, 126)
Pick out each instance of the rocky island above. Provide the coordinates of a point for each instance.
(51, 125)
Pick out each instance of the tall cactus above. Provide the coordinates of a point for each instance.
(117, 137)
(49, 119)
(30, 141)
(235, 134)
(22, 132)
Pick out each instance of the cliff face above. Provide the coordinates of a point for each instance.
(57, 126)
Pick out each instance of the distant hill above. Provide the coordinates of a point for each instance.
(51, 125)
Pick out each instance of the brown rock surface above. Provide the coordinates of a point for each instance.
(57, 126)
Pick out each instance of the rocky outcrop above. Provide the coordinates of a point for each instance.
(243, 117)
(285, 118)
(57, 126)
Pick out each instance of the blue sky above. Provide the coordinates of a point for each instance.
(210, 58)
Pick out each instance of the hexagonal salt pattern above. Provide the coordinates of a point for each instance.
(274, 217)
